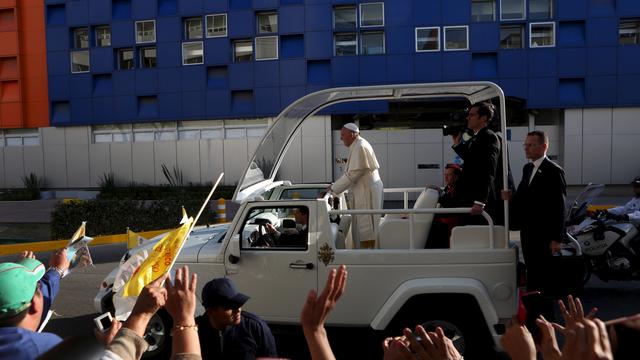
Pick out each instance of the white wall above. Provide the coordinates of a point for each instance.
(602, 145)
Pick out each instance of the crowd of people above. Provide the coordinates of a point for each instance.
(224, 331)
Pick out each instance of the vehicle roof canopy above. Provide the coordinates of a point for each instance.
(265, 162)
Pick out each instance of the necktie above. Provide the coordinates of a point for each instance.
(528, 170)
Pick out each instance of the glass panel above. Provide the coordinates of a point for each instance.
(372, 14)
(189, 134)
(267, 48)
(629, 32)
(103, 36)
(148, 58)
(511, 37)
(216, 25)
(122, 137)
(267, 23)
(31, 141)
(512, 9)
(102, 138)
(256, 132)
(211, 134)
(165, 135)
(346, 44)
(14, 141)
(81, 38)
(193, 28)
(235, 133)
(79, 61)
(242, 50)
(125, 59)
(455, 38)
(542, 35)
(143, 136)
(145, 31)
(540, 9)
(372, 43)
(344, 17)
(192, 53)
(428, 39)
(483, 10)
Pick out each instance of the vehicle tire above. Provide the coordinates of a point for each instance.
(459, 316)
(158, 335)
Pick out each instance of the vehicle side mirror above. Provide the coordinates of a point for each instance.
(234, 249)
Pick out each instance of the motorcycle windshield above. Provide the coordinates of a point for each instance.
(263, 166)
(589, 193)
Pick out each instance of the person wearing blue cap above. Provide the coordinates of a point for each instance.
(227, 332)
(27, 290)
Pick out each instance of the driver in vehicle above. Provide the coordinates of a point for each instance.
(630, 211)
(292, 236)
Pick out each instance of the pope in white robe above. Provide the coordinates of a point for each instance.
(362, 179)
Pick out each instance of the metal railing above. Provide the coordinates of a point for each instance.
(412, 212)
(405, 193)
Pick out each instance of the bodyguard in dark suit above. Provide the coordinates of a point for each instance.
(539, 211)
(481, 156)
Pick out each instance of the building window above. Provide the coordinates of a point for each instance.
(81, 38)
(103, 36)
(483, 10)
(344, 17)
(267, 48)
(242, 50)
(192, 53)
(542, 34)
(345, 44)
(125, 59)
(629, 32)
(193, 28)
(372, 43)
(372, 14)
(217, 25)
(148, 58)
(145, 31)
(267, 22)
(512, 9)
(427, 39)
(540, 9)
(456, 38)
(511, 37)
(79, 62)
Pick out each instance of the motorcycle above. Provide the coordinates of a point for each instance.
(610, 249)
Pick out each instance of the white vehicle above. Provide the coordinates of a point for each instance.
(469, 289)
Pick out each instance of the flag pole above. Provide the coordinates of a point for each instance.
(206, 201)
(193, 224)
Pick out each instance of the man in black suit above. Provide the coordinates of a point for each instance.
(293, 237)
(539, 211)
(481, 156)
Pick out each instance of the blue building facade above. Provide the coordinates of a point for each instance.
(128, 61)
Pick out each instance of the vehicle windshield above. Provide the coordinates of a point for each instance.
(266, 160)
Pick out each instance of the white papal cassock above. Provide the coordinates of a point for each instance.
(361, 177)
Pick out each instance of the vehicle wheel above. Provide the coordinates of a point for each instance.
(457, 314)
(158, 335)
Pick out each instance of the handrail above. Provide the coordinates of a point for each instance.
(412, 212)
(405, 193)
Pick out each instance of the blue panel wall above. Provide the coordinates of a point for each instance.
(585, 67)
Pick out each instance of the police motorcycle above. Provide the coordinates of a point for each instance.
(610, 248)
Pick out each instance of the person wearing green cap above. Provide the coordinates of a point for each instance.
(27, 291)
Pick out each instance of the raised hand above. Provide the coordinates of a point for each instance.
(572, 313)
(317, 308)
(181, 296)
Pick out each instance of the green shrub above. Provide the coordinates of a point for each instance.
(32, 185)
(109, 216)
(143, 192)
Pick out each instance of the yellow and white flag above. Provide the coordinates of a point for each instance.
(134, 239)
(185, 218)
(159, 261)
(79, 234)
